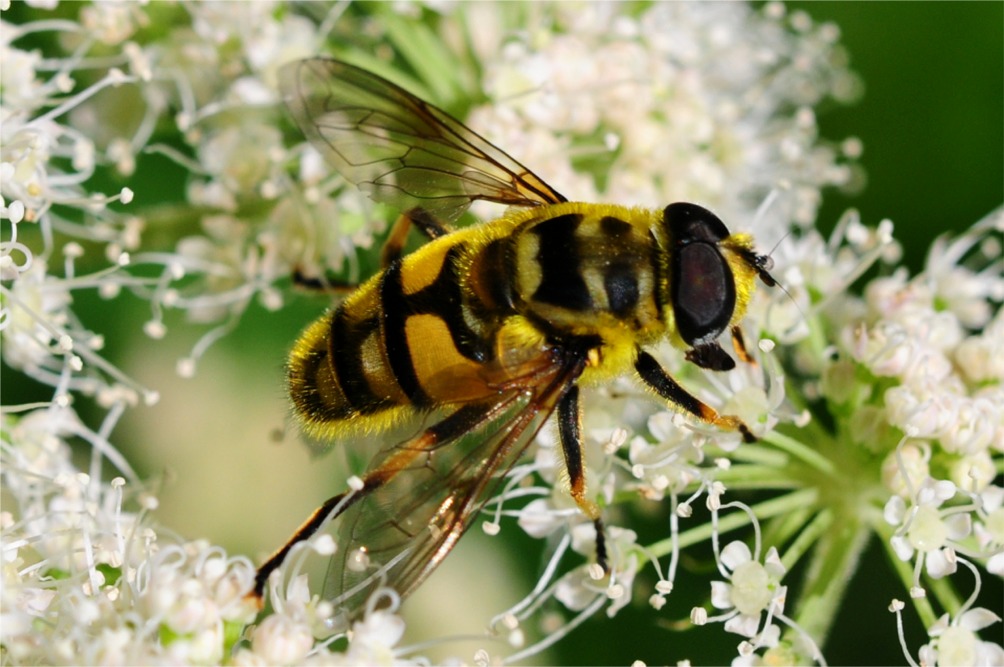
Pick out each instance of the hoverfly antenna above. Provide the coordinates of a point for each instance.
(784, 289)
(770, 255)
(764, 263)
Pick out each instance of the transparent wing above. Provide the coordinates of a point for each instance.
(398, 149)
(433, 489)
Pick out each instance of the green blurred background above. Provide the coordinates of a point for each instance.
(932, 123)
(932, 115)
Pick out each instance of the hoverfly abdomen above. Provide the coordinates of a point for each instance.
(339, 369)
(420, 335)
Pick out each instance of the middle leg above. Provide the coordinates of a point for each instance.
(570, 435)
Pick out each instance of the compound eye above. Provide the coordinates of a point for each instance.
(702, 288)
(689, 222)
(702, 292)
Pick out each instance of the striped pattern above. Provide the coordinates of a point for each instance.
(364, 358)
(425, 332)
(559, 261)
(589, 271)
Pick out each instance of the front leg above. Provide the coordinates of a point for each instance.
(713, 357)
(656, 377)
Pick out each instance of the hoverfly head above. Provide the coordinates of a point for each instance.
(711, 275)
(702, 285)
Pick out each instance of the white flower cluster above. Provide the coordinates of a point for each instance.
(290, 634)
(682, 102)
(128, 75)
(645, 105)
(87, 91)
(86, 579)
(937, 338)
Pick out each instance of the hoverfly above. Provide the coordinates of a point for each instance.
(485, 330)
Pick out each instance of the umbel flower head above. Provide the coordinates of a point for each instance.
(876, 395)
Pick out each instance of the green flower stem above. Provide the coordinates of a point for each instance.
(782, 529)
(735, 473)
(832, 565)
(756, 453)
(807, 537)
(803, 452)
(749, 477)
(733, 520)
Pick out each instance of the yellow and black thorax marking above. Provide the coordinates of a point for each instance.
(460, 316)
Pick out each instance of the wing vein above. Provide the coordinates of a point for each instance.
(401, 150)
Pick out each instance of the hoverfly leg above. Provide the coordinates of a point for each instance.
(427, 223)
(601, 545)
(304, 532)
(739, 345)
(656, 377)
(399, 459)
(711, 356)
(570, 435)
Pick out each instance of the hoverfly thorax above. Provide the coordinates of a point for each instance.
(711, 273)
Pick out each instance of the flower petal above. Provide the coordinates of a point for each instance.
(721, 595)
(735, 554)
(978, 618)
(744, 625)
